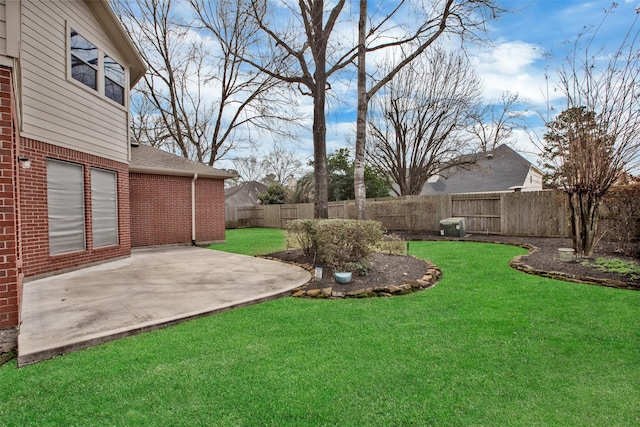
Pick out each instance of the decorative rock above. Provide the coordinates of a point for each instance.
(326, 292)
(299, 294)
(313, 293)
(356, 292)
(338, 294)
(394, 289)
(427, 277)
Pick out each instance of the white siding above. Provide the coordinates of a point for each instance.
(59, 110)
(533, 181)
(3, 28)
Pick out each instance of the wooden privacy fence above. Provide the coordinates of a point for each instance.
(539, 213)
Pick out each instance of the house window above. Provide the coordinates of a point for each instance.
(104, 207)
(95, 69)
(84, 61)
(113, 80)
(65, 203)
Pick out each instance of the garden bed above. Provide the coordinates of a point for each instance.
(389, 275)
(543, 259)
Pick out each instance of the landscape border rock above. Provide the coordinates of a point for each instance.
(428, 280)
(520, 265)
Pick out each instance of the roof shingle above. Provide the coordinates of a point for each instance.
(146, 159)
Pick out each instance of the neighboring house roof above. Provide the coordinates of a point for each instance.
(146, 159)
(116, 31)
(245, 194)
(500, 169)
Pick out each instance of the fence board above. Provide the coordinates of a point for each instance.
(537, 213)
(481, 213)
(542, 213)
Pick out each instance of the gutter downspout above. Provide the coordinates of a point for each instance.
(193, 208)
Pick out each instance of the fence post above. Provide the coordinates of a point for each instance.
(503, 215)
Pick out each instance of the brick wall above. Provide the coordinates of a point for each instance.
(210, 210)
(9, 272)
(161, 209)
(34, 212)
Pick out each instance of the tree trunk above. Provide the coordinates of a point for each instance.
(361, 122)
(584, 216)
(321, 202)
(321, 207)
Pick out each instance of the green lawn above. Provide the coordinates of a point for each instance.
(253, 241)
(487, 346)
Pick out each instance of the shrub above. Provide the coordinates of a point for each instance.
(347, 245)
(392, 244)
(276, 194)
(303, 232)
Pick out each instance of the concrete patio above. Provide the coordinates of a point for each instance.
(154, 288)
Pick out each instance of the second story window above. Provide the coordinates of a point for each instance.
(113, 80)
(95, 69)
(84, 61)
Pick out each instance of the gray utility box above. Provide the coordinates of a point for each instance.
(452, 227)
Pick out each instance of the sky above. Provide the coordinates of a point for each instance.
(532, 41)
(526, 46)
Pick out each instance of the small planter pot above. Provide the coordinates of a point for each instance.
(342, 277)
(566, 254)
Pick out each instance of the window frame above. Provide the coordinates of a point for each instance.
(55, 247)
(95, 191)
(101, 74)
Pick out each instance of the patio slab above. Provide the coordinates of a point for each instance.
(152, 289)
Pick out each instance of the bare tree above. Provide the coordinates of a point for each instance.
(495, 122)
(146, 124)
(596, 139)
(276, 166)
(296, 49)
(465, 19)
(207, 103)
(282, 163)
(249, 168)
(417, 123)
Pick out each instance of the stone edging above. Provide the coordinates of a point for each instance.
(430, 278)
(518, 264)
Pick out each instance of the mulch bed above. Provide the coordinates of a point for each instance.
(389, 275)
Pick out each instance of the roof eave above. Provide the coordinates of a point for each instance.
(178, 172)
(137, 66)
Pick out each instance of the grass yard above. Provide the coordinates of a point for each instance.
(487, 346)
(253, 241)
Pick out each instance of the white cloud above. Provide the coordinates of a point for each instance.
(513, 66)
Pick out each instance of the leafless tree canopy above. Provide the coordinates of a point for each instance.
(278, 165)
(206, 89)
(463, 20)
(596, 139)
(296, 49)
(417, 123)
(249, 168)
(283, 164)
(495, 122)
(204, 104)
